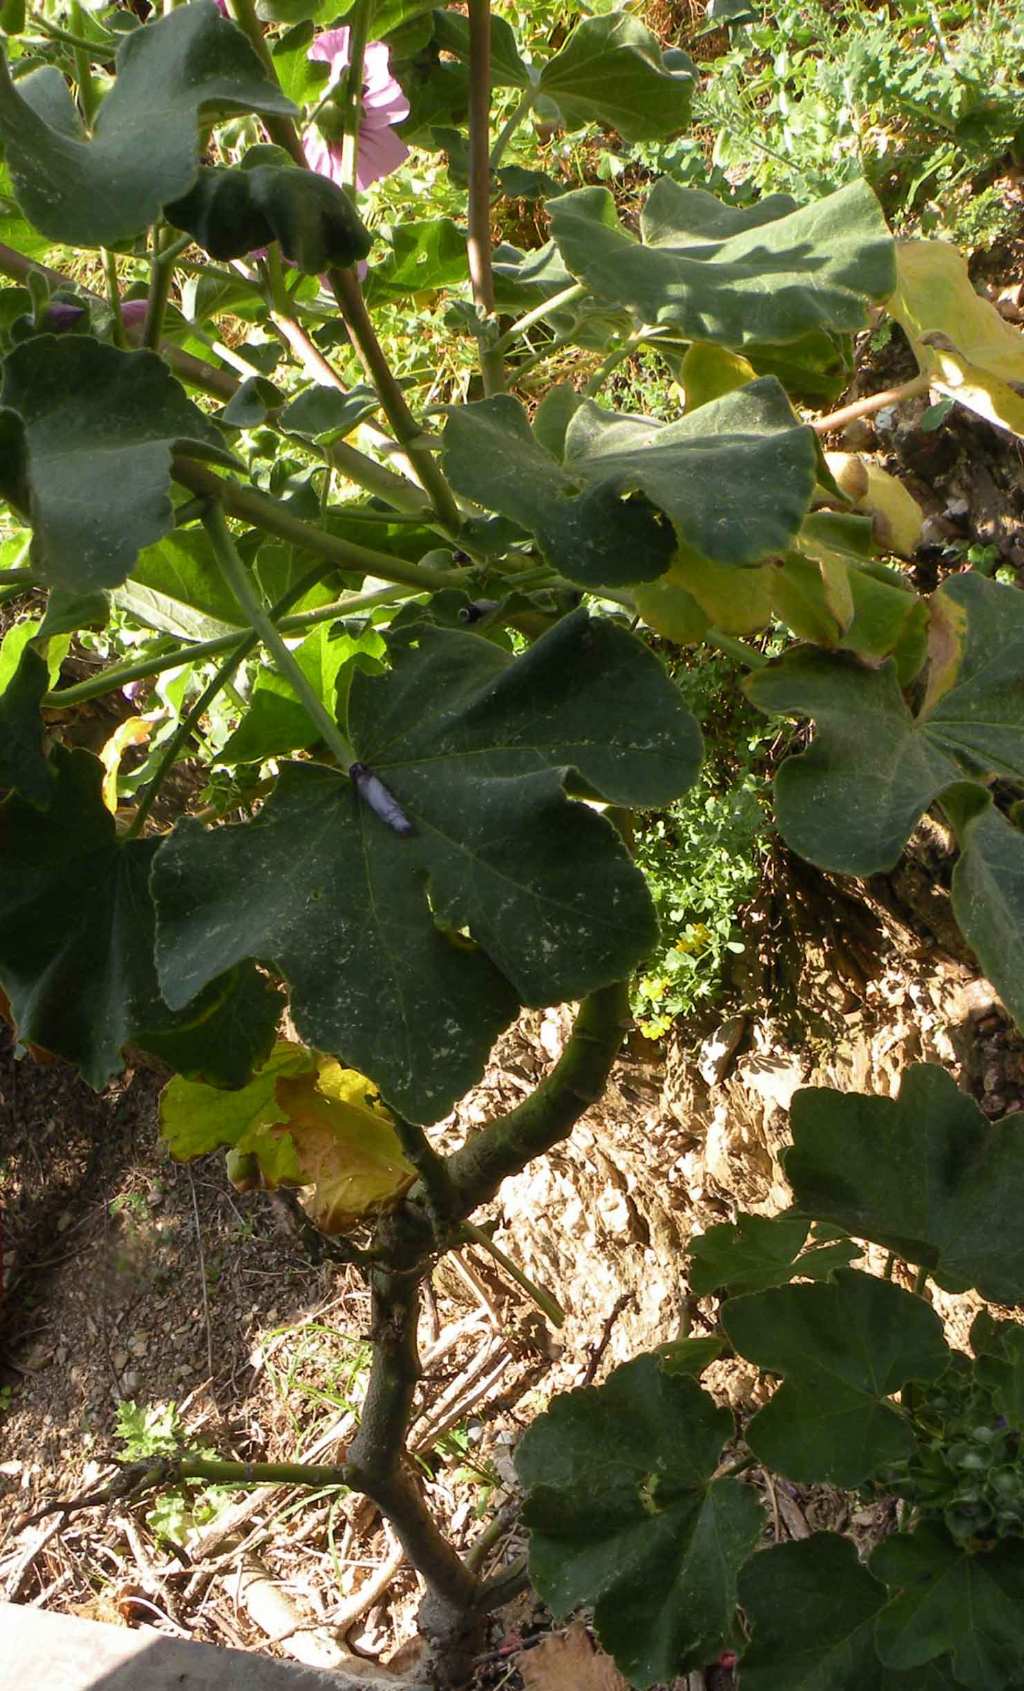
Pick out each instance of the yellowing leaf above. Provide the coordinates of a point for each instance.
(345, 1145)
(934, 292)
(738, 601)
(196, 1118)
(671, 611)
(896, 515)
(709, 371)
(980, 391)
(958, 338)
(131, 732)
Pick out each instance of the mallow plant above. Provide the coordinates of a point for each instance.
(386, 653)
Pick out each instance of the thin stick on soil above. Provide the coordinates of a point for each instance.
(202, 1273)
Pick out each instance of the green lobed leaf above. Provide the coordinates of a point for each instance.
(180, 577)
(705, 268)
(758, 1251)
(87, 433)
(323, 413)
(850, 802)
(953, 1600)
(623, 1514)
(75, 908)
(613, 71)
(424, 256)
(144, 149)
(999, 1348)
(451, 34)
(250, 405)
(23, 765)
(230, 212)
(600, 516)
(988, 890)
(925, 1174)
(476, 748)
(811, 1606)
(843, 1349)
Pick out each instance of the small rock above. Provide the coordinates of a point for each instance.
(119, 1358)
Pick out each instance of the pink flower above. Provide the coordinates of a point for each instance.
(383, 104)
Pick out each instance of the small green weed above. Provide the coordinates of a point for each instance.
(925, 104)
(157, 1429)
(702, 856)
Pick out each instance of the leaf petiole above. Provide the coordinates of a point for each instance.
(237, 577)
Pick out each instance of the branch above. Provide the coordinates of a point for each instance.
(377, 1462)
(273, 515)
(117, 676)
(873, 402)
(505, 1146)
(220, 384)
(345, 287)
(221, 676)
(479, 241)
(240, 582)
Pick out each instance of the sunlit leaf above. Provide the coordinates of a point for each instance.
(612, 70)
(477, 749)
(86, 438)
(624, 1515)
(926, 1174)
(144, 149)
(629, 488)
(843, 1349)
(701, 265)
(958, 337)
(850, 802)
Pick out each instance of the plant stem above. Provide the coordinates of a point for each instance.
(506, 1145)
(748, 656)
(432, 1170)
(544, 1301)
(920, 1280)
(511, 124)
(344, 285)
(492, 367)
(270, 514)
(280, 129)
(88, 94)
(352, 93)
(349, 295)
(237, 577)
(376, 1462)
(873, 402)
(160, 277)
(557, 302)
(110, 679)
(194, 716)
(114, 297)
(351, 462)
(617, 356)
(223, 1472)
(54, 31)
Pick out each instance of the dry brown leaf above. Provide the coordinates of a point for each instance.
(568, 1661)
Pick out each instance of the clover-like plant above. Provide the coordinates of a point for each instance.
(394, 625)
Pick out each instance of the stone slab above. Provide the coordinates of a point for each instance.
(46, 1652)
